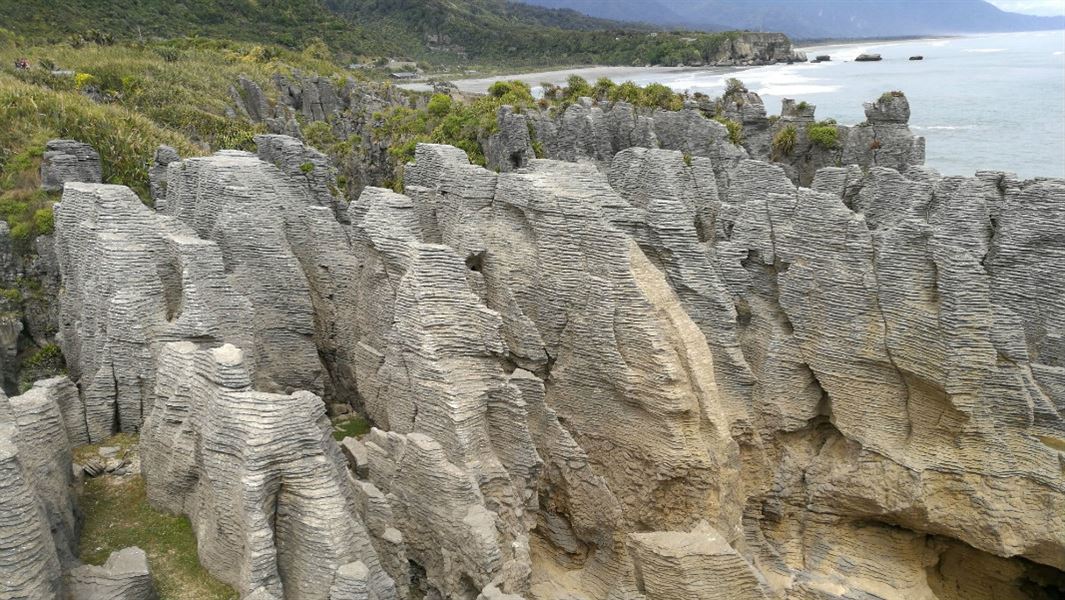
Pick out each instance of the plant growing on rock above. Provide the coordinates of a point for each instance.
(735, 129)
(825, 134)
(784, 141)
(887, 97)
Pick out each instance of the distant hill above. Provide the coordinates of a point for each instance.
(806, 19)
(441, 32)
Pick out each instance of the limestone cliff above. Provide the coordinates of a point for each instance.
(665, 372)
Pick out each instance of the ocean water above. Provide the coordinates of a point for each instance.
(992, 101)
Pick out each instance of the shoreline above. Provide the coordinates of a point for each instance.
(479, 85)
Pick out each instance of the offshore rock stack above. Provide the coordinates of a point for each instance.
(653, 368)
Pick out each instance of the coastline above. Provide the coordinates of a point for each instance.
(479, 85)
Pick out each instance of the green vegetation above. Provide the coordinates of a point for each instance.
(173, 93)
(735, 129)
(824, 133)
(784, 141)
(467, 125)
(44, 363)
(350, 426)
(801, 106)
(434, 32)
(887, 97)
(117, 515)
(654, 95)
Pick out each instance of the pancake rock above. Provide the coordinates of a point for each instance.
(68, 161)
(259, 476)
(133, 280)
(578, 322)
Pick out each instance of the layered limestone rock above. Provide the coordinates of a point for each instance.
(285, 252)
(751, 48)
(884, 139)
(301, 163)
(39, 524)
(133, 280)
(665, 372)
(66, 161)
(259, 476)
(29, 562)
(598, 131)
(343, 110)
(124, 576)
(497, 232)
(164, 155)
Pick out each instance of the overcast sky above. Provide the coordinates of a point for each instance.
(1032, 7)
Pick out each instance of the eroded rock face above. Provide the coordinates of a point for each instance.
(259, 476)
(124, 576)
(615, 379)
(133, 280)
(67, 161)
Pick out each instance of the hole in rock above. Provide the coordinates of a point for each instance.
(475, 262)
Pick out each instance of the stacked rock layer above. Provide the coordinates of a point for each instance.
(667, 373)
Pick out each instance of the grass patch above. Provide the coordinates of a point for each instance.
(356, 426)
(117, 515)
(124, 441)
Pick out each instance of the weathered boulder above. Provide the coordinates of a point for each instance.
(68, 161)
(124, 576)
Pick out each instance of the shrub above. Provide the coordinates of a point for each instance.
(577, 87)
(734, 86)
(803, 105)
(44, 220)
(735, 129)
(887, 97)
(602, 88)
(439, 105)
(825, 134)
(82, 80)
(306, 167)
(656, 95)
(784, 141)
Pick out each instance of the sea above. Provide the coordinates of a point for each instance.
(994, 101)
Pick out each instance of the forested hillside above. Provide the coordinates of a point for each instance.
(818, 18)
(479, 32)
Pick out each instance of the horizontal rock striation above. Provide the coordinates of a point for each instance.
(259, 476)
(132, 281)
(124, 576)
(67, 161)
(665, 372)
(597, 131)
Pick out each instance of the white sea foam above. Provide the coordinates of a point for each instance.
(1058, 53)
(984, 50)
(942, 127)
